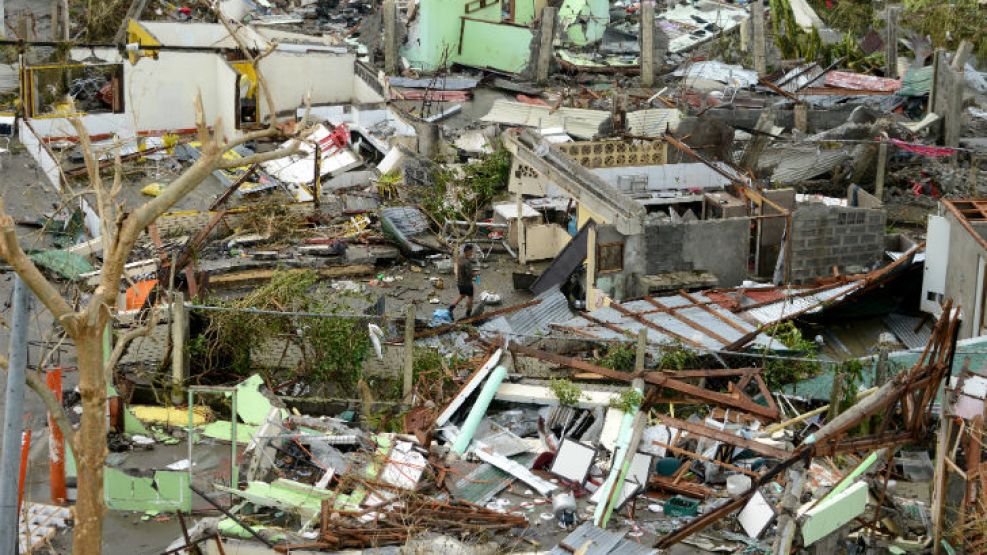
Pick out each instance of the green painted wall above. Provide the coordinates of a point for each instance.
(496, 46)
(167, 491)
(524, 11)
(584, 20)
(486, 43)
(437, 29)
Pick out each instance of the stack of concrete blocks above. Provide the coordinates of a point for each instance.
(851, 239)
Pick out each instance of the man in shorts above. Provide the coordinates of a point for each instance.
(464, 280)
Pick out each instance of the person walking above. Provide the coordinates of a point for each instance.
(465, 272)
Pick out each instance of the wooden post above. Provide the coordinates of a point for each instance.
(590, 268)
(882, 163)
(974, 162)
(800, 112)
(522, 244)
(56, 21)
(642, 348)
(745, 35)
(647, 43)
(790, 501)
(545, 47)
(390, 15)
(179, 354)
(939, 481)
(409, 351)
(891, 43)
(963, 52)
(759, 141)
(937, 62)
(65, 21)
(757, 28)
(835, 396)
(884, 343)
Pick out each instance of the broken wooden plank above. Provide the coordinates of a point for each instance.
(544, 487)
(725, 437)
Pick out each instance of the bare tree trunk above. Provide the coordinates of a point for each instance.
(87, 535)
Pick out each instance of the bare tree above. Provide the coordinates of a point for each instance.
(120, 230)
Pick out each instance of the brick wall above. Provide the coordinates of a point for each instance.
(827, 236)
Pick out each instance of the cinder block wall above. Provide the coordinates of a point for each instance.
(721, 247)
(827, 236)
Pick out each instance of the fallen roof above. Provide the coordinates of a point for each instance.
(697, 322)
(723, 319)
(582, 124)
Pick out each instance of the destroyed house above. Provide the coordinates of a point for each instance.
(956, 262)
(149, 92)
(650, 223)
(146, 94)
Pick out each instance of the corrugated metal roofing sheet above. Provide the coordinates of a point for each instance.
(553, 308)
(861, 82)
(790, 305)
(652, 123)
(696, 323)
(903, 327)
(800, 77)
(601, 542)
(794, 164)
(582, 124)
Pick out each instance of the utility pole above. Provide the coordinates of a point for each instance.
(409, 353)
(390, 13)
(891, 43)
(13, 417)
(882, 166)
(545, 49)
(757, 30)
(647, 43)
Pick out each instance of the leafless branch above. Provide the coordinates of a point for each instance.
(51, 403)
(10, 250)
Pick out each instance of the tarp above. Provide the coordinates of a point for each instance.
(861, 82)
(67, 265)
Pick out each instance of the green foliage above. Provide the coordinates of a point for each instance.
(565, 391)
(852, 372)
(856, 17)
(461, 193)
(628, 401)
(853, 57)
(947, 23)
(334, 348)
(778, 371)
(791, 40)
(619, 356)
(790, 336)
(675, 356)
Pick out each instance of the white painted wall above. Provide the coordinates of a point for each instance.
(96, 124)
(936, 264)
(161, 93)
(290, 76)
(226, 78)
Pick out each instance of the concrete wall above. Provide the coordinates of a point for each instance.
(721, 247)
(495, 45)
(623, 284)
(161, 93)
(327, 76)
(961, 274)
(226, 98)
(827, 236)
